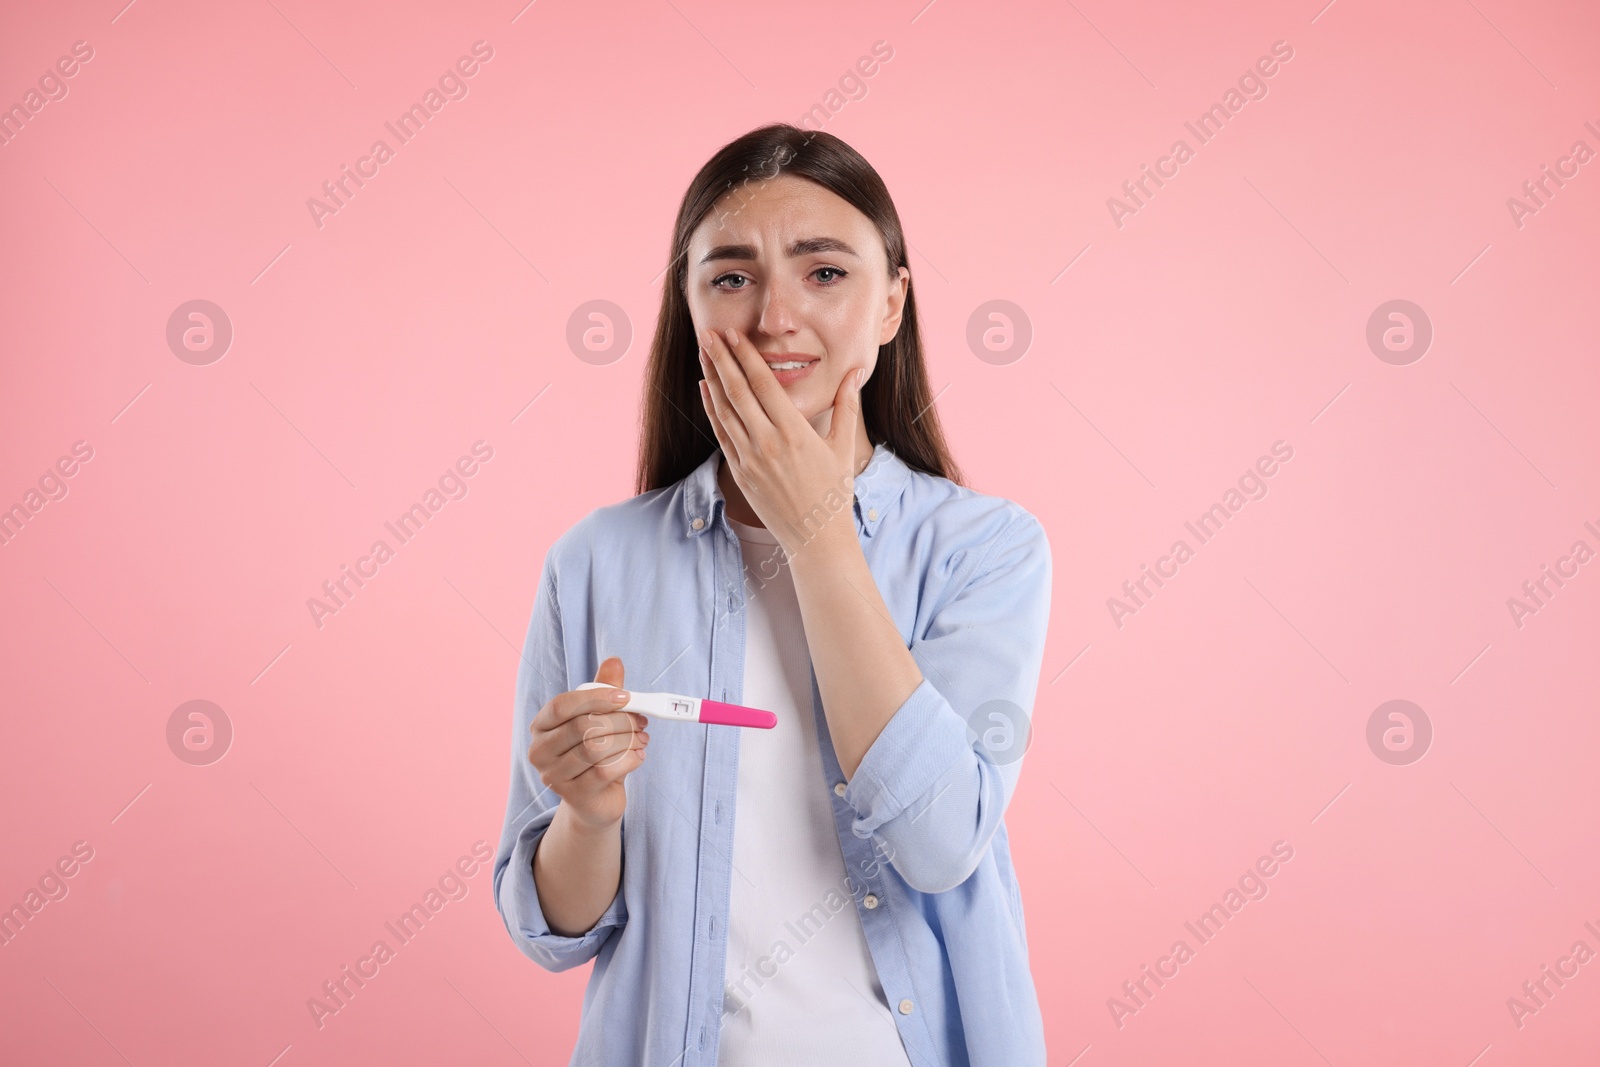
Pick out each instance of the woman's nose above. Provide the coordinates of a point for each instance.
(777, 310)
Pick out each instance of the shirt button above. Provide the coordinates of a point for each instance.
(838, 789)
(872, 513)
(697, 523)
(870, 901)
(905, 1007)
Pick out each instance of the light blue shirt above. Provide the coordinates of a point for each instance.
(660, 581)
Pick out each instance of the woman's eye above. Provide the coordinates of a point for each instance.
(716, 283)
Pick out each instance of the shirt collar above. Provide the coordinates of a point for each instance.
(877, 490)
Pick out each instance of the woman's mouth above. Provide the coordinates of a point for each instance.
(791, 370)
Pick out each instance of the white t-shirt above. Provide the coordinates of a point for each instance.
(800, 988)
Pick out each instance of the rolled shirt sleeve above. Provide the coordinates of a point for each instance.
(531, 805)
(518, 901)
(930, 788)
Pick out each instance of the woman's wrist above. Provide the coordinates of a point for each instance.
(833, 544)
(579, 827)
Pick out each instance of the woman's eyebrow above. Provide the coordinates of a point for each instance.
(805, 247)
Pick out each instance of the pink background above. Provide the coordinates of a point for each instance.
(369, 354)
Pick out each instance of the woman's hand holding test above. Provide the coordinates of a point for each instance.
(583, 749)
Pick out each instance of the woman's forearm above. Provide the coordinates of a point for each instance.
(576, 872)
(864, 670)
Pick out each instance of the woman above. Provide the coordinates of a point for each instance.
(838, 889)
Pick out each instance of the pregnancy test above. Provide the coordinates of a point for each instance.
(691, 709)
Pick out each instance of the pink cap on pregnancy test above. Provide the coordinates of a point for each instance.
(691, 709)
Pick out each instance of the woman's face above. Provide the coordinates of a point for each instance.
(802, 274)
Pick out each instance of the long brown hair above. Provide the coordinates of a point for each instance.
(895, 402)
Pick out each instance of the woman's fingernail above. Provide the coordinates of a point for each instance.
(620, 696)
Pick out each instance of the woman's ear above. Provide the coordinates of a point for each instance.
(898, 291)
